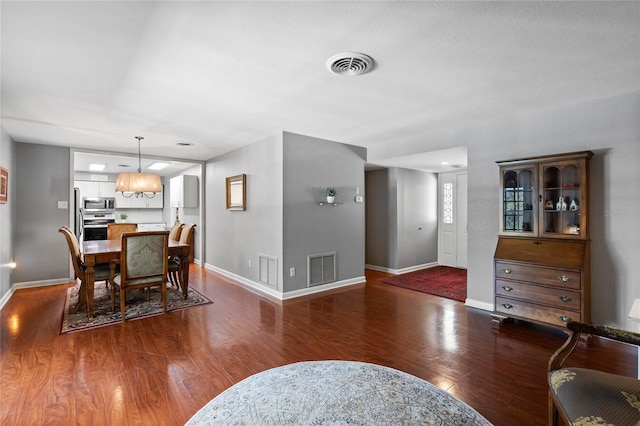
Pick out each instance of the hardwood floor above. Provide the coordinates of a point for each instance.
(161, 370)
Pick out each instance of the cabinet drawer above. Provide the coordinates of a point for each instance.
(536, 274)
(558, 297)
(550, 315)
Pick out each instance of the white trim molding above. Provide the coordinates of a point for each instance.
(261, 288)
(403, 270)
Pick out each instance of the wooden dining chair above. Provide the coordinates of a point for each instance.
(102, 271)
(115, 230)
(143, 264)
(175, 263)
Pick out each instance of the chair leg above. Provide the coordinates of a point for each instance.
(113, 297)
(163, 294)
(122, 297)
(553, 412)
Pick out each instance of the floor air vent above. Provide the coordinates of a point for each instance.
(322, 269)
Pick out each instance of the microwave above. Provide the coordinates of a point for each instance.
(99, 204)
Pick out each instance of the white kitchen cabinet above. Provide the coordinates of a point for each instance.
(91, 188)
(184, 191)
(143, 227)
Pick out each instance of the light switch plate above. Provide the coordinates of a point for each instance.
(63, 205)
(359, 199)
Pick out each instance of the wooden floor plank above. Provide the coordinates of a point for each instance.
(161, 370)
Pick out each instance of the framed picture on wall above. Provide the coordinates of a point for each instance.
(4, 185)
(236, 192)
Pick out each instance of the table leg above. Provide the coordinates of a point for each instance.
(185, 277)
(90, 276)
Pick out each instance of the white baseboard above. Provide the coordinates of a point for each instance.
(261, 288)
(479, 304)
(403, 270)
(320, 288)
(6, 297)
(41, 283)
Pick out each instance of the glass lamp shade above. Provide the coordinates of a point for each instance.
(138, 183)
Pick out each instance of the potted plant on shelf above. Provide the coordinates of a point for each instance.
(331, 194)
(123, 217)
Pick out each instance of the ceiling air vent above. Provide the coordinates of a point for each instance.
(350, 63)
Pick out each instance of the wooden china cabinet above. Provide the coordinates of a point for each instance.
(542, 261)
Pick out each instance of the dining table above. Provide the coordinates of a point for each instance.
(104, 251)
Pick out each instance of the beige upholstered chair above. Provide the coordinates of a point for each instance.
(585, 396)
(175, 264)
(174, 234)
(143, 264)
(102, 272)
(115, 230)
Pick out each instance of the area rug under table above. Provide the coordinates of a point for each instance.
(139, 305)
(335, 393)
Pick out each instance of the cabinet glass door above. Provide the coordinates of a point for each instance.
(562, 199)
(518, 201)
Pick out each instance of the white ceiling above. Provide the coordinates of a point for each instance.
(92, 75)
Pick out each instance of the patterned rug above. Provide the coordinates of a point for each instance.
(442, 281)
(138, 306)
(335, 393)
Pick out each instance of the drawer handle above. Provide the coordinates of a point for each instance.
(563, 278)
(507, 305)
(565, 298)
(506, 270)
(565, 318)
(506, 288)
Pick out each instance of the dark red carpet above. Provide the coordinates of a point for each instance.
(442, 281)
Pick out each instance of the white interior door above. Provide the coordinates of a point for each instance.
(452, 220)
(446, 220)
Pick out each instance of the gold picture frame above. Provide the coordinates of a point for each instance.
(4, 185)
(236, 192)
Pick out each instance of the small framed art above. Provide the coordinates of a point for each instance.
(236, 192)
(4, 185)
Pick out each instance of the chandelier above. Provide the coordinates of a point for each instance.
(138, 184)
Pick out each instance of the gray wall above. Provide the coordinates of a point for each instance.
(310, 165)
(233, 238)
(378, 225)
(402, 226)
(42, 177)
(7, 213)
(610, 127)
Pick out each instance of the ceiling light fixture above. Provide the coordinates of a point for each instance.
(96, 167)
(138, 184)
(158, 165)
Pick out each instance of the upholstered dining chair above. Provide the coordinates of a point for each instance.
(175, 264)
(102, 271)
(174, 234)
(115, 230)
(581, 396)
(143, 264)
